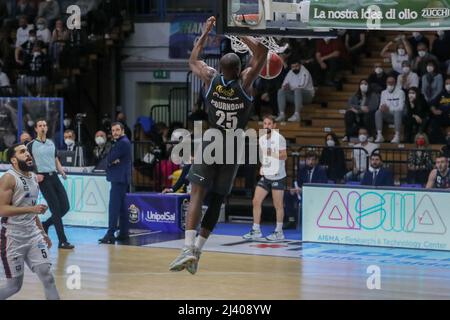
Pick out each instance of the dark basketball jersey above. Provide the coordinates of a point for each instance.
(228, 104)
(442, 182)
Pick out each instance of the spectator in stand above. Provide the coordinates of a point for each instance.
(440, 115)
(25, 138)
(407, 78)
(332, 158)
(43, 33)
(377, 175)
(415, 39)
(70, 139)
(298, 88)
(59, 38)
(361, 113)
(49, 10)
(25, 51)
(311, 172)
(330, 55)
(403, 52)
(423, 59)
(446, 149)
(23, 32)
(417, 114)
(439, 177)
(441, 47)
(266, 94)
(392, 104)
(120, 117)
(37, 72)
(305, 50)
(5, 85)
(377, 79)
(432, 83)
(360, 157)
(356, 44)
(420, 161)
(27, 9)
(101, 150)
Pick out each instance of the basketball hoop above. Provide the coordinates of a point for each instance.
(238, 46)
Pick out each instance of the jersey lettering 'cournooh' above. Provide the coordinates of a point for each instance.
(228, 104)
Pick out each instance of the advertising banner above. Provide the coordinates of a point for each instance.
(88, 198)
(402, 218)
(373, 14)
(184, 31)
(156, 211)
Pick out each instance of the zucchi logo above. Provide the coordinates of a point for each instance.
(435, 13)
(166, 217)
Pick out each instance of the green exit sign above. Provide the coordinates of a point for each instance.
(161, 74)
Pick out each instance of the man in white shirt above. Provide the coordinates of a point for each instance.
(23, 31)
(297, 88)
(273, 171)
(407, 79)
(360, 157)
(43, 33)
(392, 103)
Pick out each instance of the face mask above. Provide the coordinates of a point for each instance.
(30, 123)
(401, 52)
(390, 88)
(422, 53)
(412, 96)
(447, 87)
(327, 40)
(416, 34)
(32, 39)
(36, 54)
(24, 167)
(100, 141)
(440, 33)
(69, 142)
(364, 88)
(430, 69)
(67, 123)
(406, 70)
(41, 26)
(420, 142)
(296, 71)
(362, 138)
(331, 143)
(378, 70)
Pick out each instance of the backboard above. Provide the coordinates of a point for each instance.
(269, 18)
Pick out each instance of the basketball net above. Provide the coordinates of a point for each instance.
(238, 46)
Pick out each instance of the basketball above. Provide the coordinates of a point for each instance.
(273, 67)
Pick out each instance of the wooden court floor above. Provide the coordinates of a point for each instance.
(131, 272)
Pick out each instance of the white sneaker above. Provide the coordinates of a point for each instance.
(295, 118)
(281, 117)
(379, 139)
(276, 236)
(396, 139)
(253, 235)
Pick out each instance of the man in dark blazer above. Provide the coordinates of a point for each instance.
(118, 172)
(377, 175)
(310, 173)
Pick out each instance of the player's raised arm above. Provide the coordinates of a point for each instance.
(198, 67)
(7, 185)
(256, 63)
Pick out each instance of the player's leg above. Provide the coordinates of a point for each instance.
(45, 274)
(261, 192)
(38, 260)
(278, 203)
(12, 265)
(200, 176)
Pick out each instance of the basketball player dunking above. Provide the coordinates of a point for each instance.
(22, 237)
(229, 101)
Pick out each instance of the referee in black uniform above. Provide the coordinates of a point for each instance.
(43, 151)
